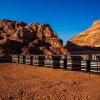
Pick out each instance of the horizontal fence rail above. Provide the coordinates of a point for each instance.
(85, 63)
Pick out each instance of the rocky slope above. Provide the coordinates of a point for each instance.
(87, 41)
(35, 38)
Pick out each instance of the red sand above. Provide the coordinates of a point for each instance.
(39, 83)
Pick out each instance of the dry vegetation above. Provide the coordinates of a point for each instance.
(24, 82)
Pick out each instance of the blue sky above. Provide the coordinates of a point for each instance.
(66, 17)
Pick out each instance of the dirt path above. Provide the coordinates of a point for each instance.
(24, 82)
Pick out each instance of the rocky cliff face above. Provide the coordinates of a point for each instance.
(87, 41)
(35, 38)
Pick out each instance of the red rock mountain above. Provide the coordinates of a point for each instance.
(87, 41)
(35, 38)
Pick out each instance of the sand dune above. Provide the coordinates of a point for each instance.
(24, 82)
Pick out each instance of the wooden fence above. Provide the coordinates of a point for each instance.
(85, 63)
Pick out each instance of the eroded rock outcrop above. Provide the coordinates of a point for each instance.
(35, 38)
(87, 41)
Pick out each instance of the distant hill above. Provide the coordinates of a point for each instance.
(87, 41)
(21, 38)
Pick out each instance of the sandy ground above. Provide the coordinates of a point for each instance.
(25, 82)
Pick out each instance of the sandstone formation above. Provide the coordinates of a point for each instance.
(87, 41)
(21, 38)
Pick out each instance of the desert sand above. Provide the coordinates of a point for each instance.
(25, 82)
